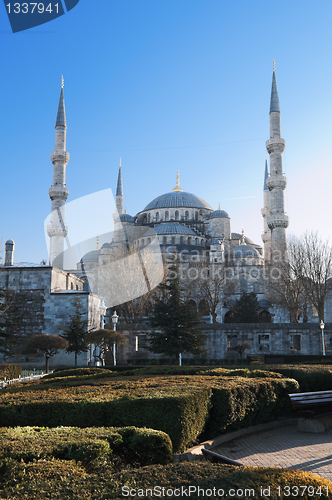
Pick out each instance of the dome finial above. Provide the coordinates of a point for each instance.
(177, 187)
(219, 208)
(97, 242)
(243, 241)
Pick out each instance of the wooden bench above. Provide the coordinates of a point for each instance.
(311, 402)
(215, 458)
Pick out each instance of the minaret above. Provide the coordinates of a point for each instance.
(119, 193)
(56, 230)
(277, 220)
(266, 236)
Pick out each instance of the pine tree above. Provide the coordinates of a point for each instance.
(175, 322)
(76, 331)
(247, 309)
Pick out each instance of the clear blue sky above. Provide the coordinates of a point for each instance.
(167, 85)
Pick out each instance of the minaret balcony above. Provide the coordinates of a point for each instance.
(278, 220)
(58, 193)
(60, 157)
(57, 230)
(275, 145)
(278, 182)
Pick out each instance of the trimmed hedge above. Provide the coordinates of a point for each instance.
(10, 371)
(179, 406)
(60, 480)
(92, 447)
(311, 378)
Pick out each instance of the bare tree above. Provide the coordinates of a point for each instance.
(304, 277)
(212, 282)
(284, 284)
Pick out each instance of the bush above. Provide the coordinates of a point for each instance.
(58, 480)
(10, 371)
(311, 378)
(92, 447)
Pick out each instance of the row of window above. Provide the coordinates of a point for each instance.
(158, 216)
(171, 240)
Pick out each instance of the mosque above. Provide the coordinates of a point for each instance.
(175, 221)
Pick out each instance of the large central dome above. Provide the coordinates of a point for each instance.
(177, 199)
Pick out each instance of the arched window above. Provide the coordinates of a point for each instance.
(186, 215)
(189, 240)
(149, 218)
(203, 308)
(196, 241)
(256, 288)
(164, 240)
(173, 240)
(196, 215)
(142, 243)
(176, 215)
(181, 240)
(243, 284)
(167, 215)
(157, 216)
(192, 306)
(149, 241)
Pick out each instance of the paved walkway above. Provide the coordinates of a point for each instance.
(283, 447)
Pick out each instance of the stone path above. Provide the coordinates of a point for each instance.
(283, 447)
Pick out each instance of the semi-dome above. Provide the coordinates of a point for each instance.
(126, 218)
(177, 199)
(238, 236)
(219, 214)
(243, 251)
(92, 256)
(170, 228)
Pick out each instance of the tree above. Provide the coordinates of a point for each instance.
(175, 321)
(246, 309)
(75, 332)
(304, 277)
(48, 344)
(213, 282)
(240, 348)
(104, 340)
(284, 285)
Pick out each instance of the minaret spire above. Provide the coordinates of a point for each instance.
(119, 192)
(58, 192)
(266, 236)
(277, 220)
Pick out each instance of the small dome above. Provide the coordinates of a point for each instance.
(177, 199)
(219, 214)
(107, 245)
(244, 251)
(10, 242)
(171, 228)
(92, 256)
(238, 236)
(126, 218)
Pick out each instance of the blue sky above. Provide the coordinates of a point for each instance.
(167, 85)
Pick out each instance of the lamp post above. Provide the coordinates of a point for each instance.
(115, 318)
(102, 310)
(322, 330)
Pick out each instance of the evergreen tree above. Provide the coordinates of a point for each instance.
(10, 323)
(175, 322)
(247, 309)
(76, 331)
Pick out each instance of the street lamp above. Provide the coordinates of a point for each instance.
(323, 342)
(115, 318)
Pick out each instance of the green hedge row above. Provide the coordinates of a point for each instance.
(92, 447)
(181, 406)
(311, 378)
(182, 417)
(10, 371)
(60, 480)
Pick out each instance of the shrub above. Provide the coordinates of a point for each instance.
(10, 371)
